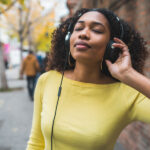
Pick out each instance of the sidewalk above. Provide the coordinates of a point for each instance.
(16, 115)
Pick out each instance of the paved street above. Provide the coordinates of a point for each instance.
(16, 115)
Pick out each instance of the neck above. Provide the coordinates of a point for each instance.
(87, 73)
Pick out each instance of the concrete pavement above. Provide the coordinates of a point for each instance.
(15, 114)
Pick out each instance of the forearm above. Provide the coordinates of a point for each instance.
(137, 81)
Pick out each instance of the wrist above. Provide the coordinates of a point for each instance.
(128, 75)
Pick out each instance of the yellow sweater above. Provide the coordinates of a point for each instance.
(89, 116)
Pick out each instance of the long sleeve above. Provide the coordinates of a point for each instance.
(141, 109)
(36, 141)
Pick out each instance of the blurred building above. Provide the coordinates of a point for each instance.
(73, 6)
(136, 12)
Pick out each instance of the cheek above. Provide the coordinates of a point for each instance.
(101, 42)
(99, 47)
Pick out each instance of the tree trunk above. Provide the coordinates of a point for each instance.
(3, 80)
(21, 29)
(21, 49)
(30, 40)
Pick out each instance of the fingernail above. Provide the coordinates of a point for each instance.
(112, 46)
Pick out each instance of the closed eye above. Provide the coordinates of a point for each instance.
(97, 31)
(78, 29)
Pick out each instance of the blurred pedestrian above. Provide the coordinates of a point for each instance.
(40, 61)
(30, 67)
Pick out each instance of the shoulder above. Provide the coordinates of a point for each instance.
(127, 90)
(130, 95)
(48, 81)
(44, 79)
(52, 74)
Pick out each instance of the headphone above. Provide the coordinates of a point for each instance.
(111, 53)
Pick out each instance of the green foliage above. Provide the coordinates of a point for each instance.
(8, 2)
(44, 42)
(5, 2)
(21, 2)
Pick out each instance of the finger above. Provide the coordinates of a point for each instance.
(118, 40)
(108, 63)
(121, 46)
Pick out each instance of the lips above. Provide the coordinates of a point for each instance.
(81, 45)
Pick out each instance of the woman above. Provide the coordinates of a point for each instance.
(101, 93)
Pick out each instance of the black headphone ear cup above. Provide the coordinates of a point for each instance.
(67, 41)
(67, 47)
(111, 53)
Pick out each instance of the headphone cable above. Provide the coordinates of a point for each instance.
(59, 93)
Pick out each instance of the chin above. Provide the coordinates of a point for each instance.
(82, 58)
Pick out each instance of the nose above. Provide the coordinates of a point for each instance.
(84, 34)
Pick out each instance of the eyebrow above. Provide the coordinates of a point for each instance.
(94, 22)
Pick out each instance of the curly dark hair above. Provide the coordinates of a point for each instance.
(132, 38)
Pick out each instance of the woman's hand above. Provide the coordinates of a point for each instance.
(123, 71)
(123, 64)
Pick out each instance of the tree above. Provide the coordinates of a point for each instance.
(3, 81)
(42, 32)
(43, 40)
(28, 26)
(8, 3)
(29, 15)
